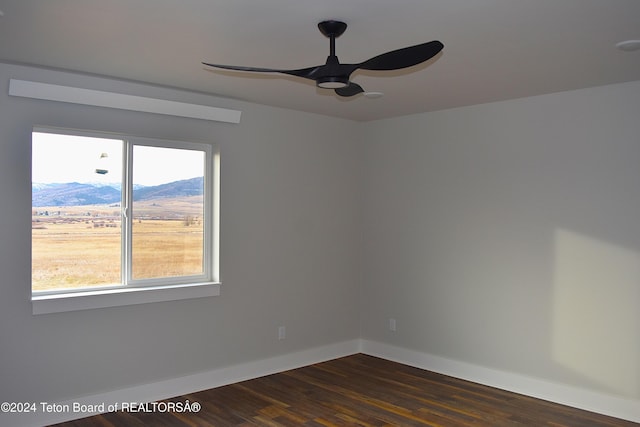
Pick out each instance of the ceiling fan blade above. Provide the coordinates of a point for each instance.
(403, 58)
(351, 90)
(307, 73)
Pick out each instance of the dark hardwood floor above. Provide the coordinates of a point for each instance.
(357, 390)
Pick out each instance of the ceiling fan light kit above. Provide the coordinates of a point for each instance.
(336, 76)
(332, 82)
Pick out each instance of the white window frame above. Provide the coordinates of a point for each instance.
(132, 291)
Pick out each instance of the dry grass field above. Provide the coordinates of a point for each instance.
(80, 246)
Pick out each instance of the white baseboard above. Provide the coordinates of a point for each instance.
(615, 406)
(153, 392)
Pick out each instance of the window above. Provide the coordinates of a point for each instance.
(115, 215)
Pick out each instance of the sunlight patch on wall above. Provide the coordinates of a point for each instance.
(595, 312)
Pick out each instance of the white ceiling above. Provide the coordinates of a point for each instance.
(494, 49)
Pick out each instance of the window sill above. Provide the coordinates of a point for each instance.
(57, 303)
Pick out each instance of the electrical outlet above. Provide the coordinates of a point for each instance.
(282, 332)
(392, 325)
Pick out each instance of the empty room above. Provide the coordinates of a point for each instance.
(330, 213)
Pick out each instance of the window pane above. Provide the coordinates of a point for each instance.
(76, 216)
(167, 212)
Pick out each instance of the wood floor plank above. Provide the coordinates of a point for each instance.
(358, 390)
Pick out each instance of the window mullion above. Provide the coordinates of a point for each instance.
(127, 213)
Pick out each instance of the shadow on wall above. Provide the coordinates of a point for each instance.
(596, 324)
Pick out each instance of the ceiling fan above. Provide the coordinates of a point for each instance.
(334, 75)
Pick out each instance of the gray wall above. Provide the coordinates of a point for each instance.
(503, 235)
(507, 235)
(290, 249)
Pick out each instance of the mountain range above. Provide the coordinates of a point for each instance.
(80, 194)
